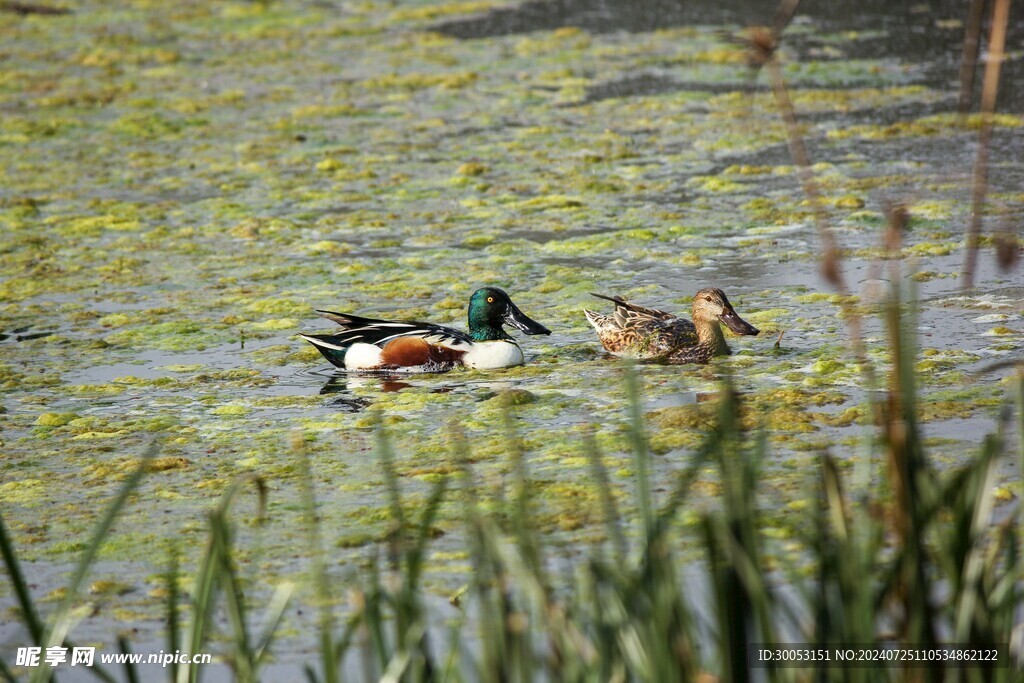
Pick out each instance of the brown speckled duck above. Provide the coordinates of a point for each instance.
(633, 331)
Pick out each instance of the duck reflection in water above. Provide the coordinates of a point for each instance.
(343, 385)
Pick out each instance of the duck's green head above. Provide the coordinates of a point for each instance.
(490, 308)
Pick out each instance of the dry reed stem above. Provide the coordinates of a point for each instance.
(831, 264)
(989, 90)
(969, 58)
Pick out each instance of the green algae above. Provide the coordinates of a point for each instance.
(925, 126)
(56, 419)
(393, 184)
(231, 410)
(109, 587)
(26, 492)
(944, 410)
(715, 184)
(169, 336)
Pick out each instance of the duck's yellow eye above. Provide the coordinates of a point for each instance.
(490, 299)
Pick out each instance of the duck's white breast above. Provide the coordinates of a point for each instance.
(493, 354)
(362, 357)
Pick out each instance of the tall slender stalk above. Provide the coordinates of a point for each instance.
(641, 453)
(63, 618)
(989, 90)
(969, 57)
(318, 570)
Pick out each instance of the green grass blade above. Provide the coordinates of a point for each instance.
(63, 617)
(348, 634)
(403, 657)
(204, 594)
(7, 673)
(609, 510)
(130, 672)
(28, 611)
(969, 595)
(173, 596)
(1020, 421)
(387, 463)
(208, 579)
(235, 599)
(314, 541)
(641, 455)
(272, 620)
(414, 558)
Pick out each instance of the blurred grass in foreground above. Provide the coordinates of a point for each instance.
(918, 559)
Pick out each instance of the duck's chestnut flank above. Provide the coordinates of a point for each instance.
(372, 344)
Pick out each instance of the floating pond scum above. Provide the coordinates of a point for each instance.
(181, 475)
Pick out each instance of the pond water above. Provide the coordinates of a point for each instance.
(182, 187)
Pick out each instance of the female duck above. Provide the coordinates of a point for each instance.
(648, 334)
(370, 344)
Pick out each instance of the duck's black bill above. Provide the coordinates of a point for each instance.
(519, 320)
(738, 324)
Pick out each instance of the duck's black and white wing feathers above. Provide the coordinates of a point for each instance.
(377, 332)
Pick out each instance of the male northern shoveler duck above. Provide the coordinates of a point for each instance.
(648, 334)
(370, 344)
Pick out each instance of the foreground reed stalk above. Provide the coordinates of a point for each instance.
(762, 46)
(989, 91)
(969, 58)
